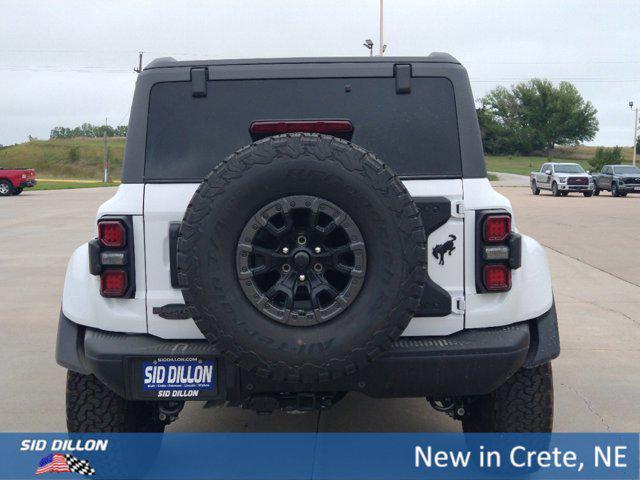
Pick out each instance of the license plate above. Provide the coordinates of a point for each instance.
(188, 378)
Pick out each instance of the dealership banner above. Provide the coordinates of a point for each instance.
(319, 456)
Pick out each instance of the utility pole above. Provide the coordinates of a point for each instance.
(368, 43)
(139, 69)
(105, 154)
(381, 46)
(635, 132)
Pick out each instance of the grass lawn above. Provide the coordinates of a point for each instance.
(79, 158)
(65, 184)
(524, 165)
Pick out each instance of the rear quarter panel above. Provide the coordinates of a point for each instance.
(531, 294)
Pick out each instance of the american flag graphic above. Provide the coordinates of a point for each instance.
(61, 463)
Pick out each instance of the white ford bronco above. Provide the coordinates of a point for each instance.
(288, 231)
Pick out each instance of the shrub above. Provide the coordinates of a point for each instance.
(74, 154)
(605, 156)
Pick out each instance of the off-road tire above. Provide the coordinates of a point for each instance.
(93, 408)
(524, 403)
(6, 188)
(554, 190)
(17, 191)
(596, 191)
(534, 188)
(615, 191)
(341, 173)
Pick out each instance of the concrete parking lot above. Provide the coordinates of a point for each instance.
(592, 245)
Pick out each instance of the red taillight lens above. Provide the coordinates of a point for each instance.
(112, 233)
(113, 283)
(497, 278)
(275, 127)
(496, 228)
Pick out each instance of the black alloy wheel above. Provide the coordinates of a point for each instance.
(301, 260)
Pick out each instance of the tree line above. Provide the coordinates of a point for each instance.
(89, 130)
(535, 116)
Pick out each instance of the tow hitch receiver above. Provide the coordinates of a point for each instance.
(292, 403)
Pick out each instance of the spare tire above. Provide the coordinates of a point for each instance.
(302, 257)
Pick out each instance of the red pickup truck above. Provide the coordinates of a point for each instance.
(13, 181)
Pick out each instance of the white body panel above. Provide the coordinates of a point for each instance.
(449, 276)
(530, 294)
(164, 203)
(81, 299)
(128, 200)
(161, 204)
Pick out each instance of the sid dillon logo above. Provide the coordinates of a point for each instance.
(64, 463)
(58, 461)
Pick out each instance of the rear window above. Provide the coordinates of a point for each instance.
(416, 134)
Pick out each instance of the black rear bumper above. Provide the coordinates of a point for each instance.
(28, 183)
(470, 362)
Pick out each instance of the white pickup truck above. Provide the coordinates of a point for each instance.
(561, 178)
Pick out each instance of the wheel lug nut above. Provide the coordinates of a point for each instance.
(286, 268)
(317, 267)
(317, 249)
(285, 250)
(302, 239)
(302, 278)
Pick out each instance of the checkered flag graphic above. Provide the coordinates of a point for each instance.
(83, 467)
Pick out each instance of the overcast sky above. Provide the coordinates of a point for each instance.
(66, 62)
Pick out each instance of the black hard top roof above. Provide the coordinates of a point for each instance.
(169, 62)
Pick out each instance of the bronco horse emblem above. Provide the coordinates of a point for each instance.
(447, 247)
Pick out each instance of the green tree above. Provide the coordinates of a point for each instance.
(605, 156)
(89, 130)
(535, 115)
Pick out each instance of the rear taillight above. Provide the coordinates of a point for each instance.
(266, 128)
(111, 256)
(496, 228)
(497, 278)
(498, 251)
(111, 233)
(113, 283)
